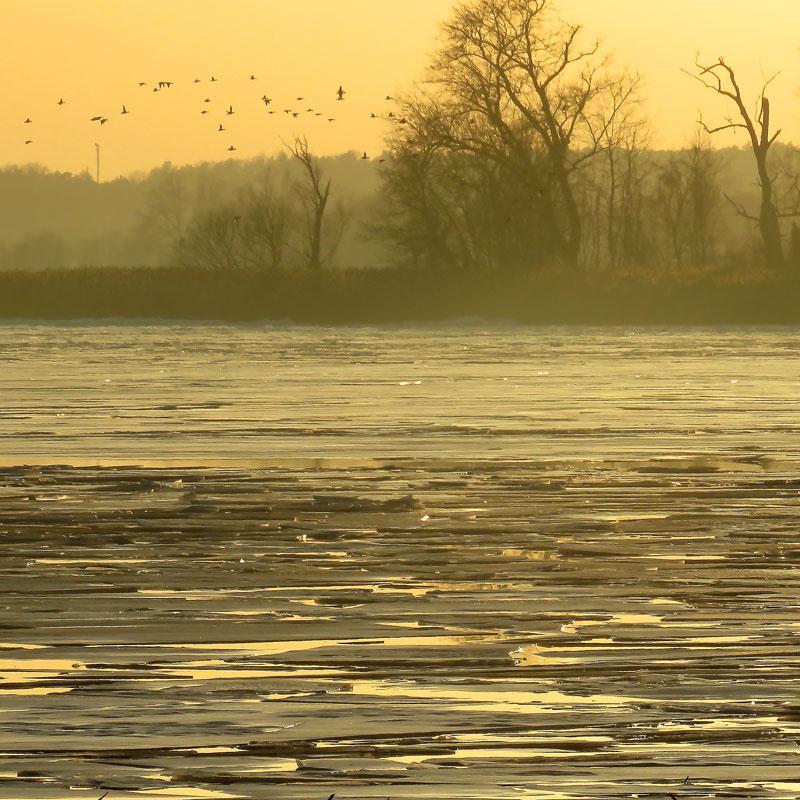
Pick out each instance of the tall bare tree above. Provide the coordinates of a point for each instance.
(315, 194)
(720, 77)
(519, 86)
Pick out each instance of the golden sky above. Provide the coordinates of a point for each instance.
(93, 53)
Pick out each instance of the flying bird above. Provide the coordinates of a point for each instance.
(295, 114)
(231, 148)
(340, 93)
(95, 119)
(299, 99)
(28, 121)
(252, 77)
(164, 84)
(213, 79)
(331, 119)
(104, 120)
(124, 110)
(230, 111)
(197, 80)
(221, 128)
(142, 83)
(207, 100)
(266, 100)
(61, 102)
(365, 157)
(389, 97)
(29, 141)
(204, 111)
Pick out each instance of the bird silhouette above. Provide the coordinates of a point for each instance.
(95, 119)
(155, 88)
(142, 83)
(60, 102)
(340, 93)
(373, 116)
(104, 120)
(197, 80)
(389, 97)
(124, 110)
(252, 77)
(164, 84)
(221, 128)
(266, 100)
(331, 119)
(213, 79)
(230, 111)
(207, 100)
(231, 148)
(365, 157)
(29, 141)
(295, 114)
(299, 99)
(204, 111)
(28, 121)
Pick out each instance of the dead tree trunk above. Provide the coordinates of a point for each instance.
(721, 78)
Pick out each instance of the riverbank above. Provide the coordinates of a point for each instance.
(391, 295)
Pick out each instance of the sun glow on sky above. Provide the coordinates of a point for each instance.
(93, 53)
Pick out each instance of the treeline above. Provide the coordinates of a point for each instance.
(524, 154)
(53, 220)
(660, 212)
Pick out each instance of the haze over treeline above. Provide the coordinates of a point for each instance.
(526, 149)
(57, 220)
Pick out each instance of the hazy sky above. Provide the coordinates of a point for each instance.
(93, 53)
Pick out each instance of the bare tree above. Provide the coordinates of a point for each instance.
(519, 84)
(266, 223)
(211, 241)
(689, 197)
(720, 77)
(315, 194)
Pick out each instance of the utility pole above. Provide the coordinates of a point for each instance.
(97, 173)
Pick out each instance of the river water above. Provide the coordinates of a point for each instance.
(444, 562)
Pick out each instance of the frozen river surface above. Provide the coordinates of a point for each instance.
(453, 562)
(210, 393)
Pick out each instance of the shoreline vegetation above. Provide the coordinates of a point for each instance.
(376, 296)
(517, 181)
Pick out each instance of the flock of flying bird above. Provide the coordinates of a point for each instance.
(161, 86)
